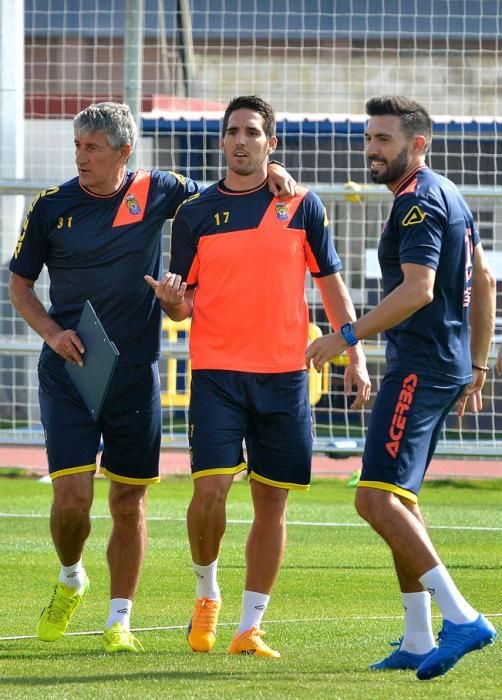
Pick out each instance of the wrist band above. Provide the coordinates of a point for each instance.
(348, 333)
(481, 369)
(276, 162)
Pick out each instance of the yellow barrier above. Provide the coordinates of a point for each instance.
(172, 398)
(318, 381)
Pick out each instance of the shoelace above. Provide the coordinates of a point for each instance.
(205, 616)
(123, 637)
(390, 659)
(59, 607)
(256, 636)
(453, 638)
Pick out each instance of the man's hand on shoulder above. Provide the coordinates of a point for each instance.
(280, 182)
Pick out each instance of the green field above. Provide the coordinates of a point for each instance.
(334, 610)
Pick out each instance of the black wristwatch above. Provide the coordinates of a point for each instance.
(276, 162)
(347, 330)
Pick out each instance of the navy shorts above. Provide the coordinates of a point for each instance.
(403, 431)
(129, 424)
(270, 413)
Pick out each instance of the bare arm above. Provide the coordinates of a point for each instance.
(482, 319)
(25, 300)
(340, 309)
(176, 301)
(498, 364)
(483, 306)
(416, 290)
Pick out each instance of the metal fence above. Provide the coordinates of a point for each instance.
(356, 217)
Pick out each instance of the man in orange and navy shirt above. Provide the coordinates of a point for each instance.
(98, 235)
(434, 272)
(238, 262)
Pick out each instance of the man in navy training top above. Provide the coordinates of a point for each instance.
(98, 235)
(438, 313)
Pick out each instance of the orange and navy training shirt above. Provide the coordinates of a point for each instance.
(99, 248)
(430, 224)
(247, 253)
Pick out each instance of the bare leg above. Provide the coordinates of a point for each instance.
(70, 527)
(206, 522)
(128, 540)
(206, 517)
(400, 523)
(70, 515)
(264, 553)
(402, 527)
(404, 583)
(267, 539)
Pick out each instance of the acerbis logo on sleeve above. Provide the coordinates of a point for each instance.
(414, 216)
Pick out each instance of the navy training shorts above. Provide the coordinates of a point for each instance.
(403, 431)
(129, 424)
(270, 412)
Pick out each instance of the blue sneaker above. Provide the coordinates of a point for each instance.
(400, 660)
(454, 642)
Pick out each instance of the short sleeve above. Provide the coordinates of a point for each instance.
(32, 247)
(183, 259)
(421, 226)
(177, 189)
(322, 258)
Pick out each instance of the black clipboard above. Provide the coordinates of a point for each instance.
(100, 357)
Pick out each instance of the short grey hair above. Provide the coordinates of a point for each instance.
(113, 119)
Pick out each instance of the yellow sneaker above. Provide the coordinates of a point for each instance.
(201, 631)
(55, 618)
(119, 639)
(250, 643)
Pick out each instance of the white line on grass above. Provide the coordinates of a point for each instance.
(297, 523)
(170, 628)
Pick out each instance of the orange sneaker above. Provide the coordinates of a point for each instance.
(201, 631)
(250, 643)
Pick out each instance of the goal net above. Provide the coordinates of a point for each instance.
(177, 63)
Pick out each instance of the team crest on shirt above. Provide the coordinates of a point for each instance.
(133, 204)
(414, 216)
(281, 211)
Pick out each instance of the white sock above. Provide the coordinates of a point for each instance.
(73, 576)
(418, 637)
(253, 609)
(448, 598)
(120, 611)
(206, 585)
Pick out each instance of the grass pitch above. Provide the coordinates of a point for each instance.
(335, 606)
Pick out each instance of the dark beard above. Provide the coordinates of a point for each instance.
(395, 170)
